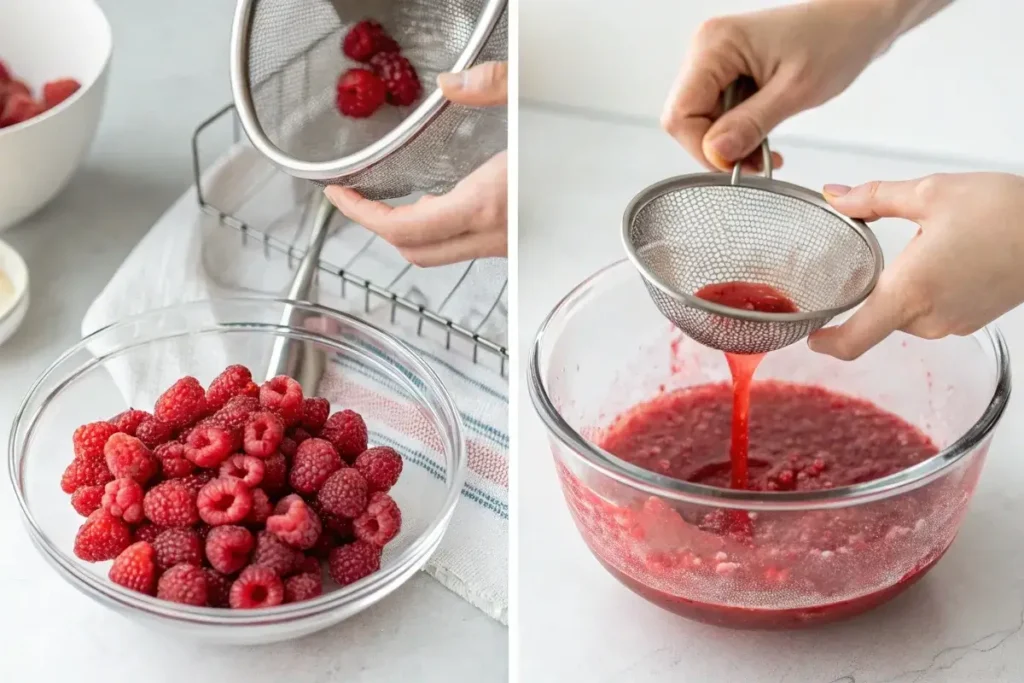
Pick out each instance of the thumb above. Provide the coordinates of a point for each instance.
(883, 312)
(878, 199)
(485, 85)
(739, 131)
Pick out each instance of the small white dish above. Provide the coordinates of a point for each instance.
(13, 308)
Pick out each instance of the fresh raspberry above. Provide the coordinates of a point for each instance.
(203, 529)
(275, 474)
(209, 446)
(307, 565)
(173, 463)
(5, 73)
(183, 404)
(263, 434)
(228, 548)
(184, 583)
(256, 587)
(127, 457)
(154, 432)
(340, 526)
(196, 481)
(294, 522)
(360, 93)
(262, 508)
(102, 537)
(85, 473)
(380, 466)
(349, 563)
(245, 467)
(327, 542)
(298, 435)
(19, 108)
(236, 411)
(236, 380)
(399, 76)
(135, 568)
(171, 503)
(366, 39)
(224, 500)
(87, 499)
(275, 554)
(303, 587)
(57, 91)
(128, 422)
(218, 588)
(15, 87)
(347, 433)
(147, 532)
(283, 396)
(344, 494)
(123, 498)
(315, 411)
(90, 439)
(315, 460)
(178, 546)
(381, 522)
(288, 447)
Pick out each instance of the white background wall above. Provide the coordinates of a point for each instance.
(954, 87)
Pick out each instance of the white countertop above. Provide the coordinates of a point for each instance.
(963, 622)
(169, 73)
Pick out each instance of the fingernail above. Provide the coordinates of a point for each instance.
(728, 146)
(452, 81)
(837, 190)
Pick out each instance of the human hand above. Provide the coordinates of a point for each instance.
(961, 271)
(799, 55)
(470, 221)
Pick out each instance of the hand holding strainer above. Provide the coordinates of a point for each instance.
(687, 232)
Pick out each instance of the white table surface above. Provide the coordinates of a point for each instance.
(169, 73)
(577, 623)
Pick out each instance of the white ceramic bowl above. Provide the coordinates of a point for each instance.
(13, 312)
(40, 41)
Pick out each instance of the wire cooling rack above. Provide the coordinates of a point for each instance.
(478, 330)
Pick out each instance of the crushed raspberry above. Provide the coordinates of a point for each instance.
(171, 503)
(295, 523)
(288, 447)
(283, 396)
(380, 523)
(315, 411)
(228, 548)
(245, 467)
(315, 460)
(236, 380)
(173, 463)
(224, 501)
(399, 76)
(366, 39)
(218, 588)
(256, 587)
(183, 583)
(347, 432)
(123, 498)
(87, 499)
(349, 563)
(102, 537)
(360, 93)
(275, 554)
(275, 474)
(57, 91)
(344, 494)
(303, 587)
(128, 422)
(380, 466)
(183, 404)
(19, 108)
(135, 568)
(147, 532)
(196, 481)
(263, 434)
(178, 546)
(209, 446)
(236, 412)
(154, 432)
(127, 457)
(262, 508)
(90, 439)
(85, 473)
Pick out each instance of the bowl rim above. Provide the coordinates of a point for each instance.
(108, 35)
(365, 591)
(683, 491)
(21, 287)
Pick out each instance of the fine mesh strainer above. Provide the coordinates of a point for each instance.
(285, 63)
(691, 231)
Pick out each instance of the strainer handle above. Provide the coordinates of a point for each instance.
(739, 90)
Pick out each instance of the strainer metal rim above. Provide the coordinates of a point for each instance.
(661, 188)
(410, 126)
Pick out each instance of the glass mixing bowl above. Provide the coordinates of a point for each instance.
(129, 363)
(605, 348)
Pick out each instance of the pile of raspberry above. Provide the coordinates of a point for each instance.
(388, 76)
(231, 496)
(17, 103)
